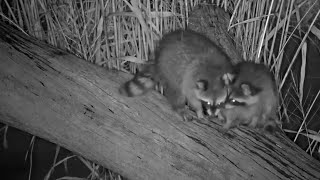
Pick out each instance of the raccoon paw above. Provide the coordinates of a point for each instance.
(185, 114)
(200, 114)
(187, 117)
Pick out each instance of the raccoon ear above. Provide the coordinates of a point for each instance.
(246, 89)
(228, 78)
(202, 84)
(249, 89)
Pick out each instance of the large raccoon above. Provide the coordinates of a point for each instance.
(253, 99)
(190, 67)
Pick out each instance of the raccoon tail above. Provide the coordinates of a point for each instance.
(141, 83)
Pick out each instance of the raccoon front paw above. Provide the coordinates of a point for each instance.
(185, 114)
(200, 114)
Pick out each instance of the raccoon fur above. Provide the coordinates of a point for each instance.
(190, 67)
(253, 98)
(140, 84)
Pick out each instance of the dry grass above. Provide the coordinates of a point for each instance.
(122, 35)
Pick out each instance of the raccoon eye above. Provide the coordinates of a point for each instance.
(209, 103)
(236, 103)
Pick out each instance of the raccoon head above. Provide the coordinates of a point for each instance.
(215, 92)
(201, 92)
(242, 95)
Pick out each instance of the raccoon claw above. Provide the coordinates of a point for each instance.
(185, 115)
(189, 116)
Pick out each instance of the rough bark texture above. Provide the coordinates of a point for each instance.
(68, 101)
(213, 22)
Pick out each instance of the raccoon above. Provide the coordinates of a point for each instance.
(190, 67)
(253, 98)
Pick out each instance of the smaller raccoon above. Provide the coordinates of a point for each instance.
(190, 67)
(253, 98)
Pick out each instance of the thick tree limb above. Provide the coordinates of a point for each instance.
(68, 101)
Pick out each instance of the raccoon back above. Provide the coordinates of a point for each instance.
(181, 59)
(187, 55)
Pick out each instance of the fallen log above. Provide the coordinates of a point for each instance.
(73, 103)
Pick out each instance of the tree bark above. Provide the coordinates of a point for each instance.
(59, 97)
(213, 22)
